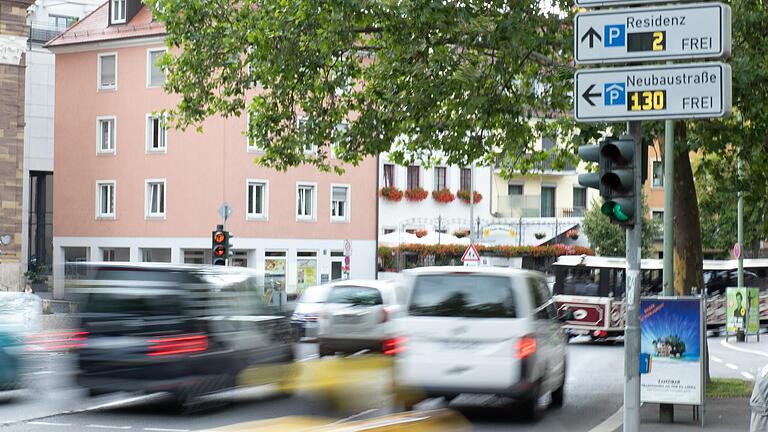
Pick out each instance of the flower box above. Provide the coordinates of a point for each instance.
(464, 195)
(391, 194)
(417, 194)
(443, 196)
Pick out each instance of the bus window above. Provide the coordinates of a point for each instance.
(578, 281)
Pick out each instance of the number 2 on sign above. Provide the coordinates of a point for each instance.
(649, 100)
(658, 41)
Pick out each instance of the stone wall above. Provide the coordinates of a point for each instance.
(13, 33)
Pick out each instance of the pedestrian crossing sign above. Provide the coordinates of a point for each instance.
(470, 255)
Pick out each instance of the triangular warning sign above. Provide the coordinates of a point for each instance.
(471, 254)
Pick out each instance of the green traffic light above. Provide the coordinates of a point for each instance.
(619, 213)
(607, 208)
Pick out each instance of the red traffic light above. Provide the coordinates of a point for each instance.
(219, 251)
(219, 237)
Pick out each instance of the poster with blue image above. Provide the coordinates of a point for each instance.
(671, 333)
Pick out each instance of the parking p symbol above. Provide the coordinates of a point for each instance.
(614, 35)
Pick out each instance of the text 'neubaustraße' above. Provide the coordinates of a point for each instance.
(672, 78)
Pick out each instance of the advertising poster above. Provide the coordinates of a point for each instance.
(670, 334)
(742, 310)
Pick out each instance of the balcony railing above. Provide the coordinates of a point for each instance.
(517, 206)
(41, 34)
(545, 167)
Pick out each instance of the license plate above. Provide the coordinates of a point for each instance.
(460, 345)
(347, 319)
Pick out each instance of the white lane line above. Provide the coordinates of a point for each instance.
(716, 359)
(165, 430)
(119, 403)
(98, 426)
(611, 423)
(744, 350)
(731, 366)
(42, 423)
(748, 376)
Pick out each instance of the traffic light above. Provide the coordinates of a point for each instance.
(220, 247)
(616, 177)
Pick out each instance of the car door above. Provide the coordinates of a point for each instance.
(551, 332)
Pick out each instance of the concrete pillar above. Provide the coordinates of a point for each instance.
(135, 254)
(177, 255)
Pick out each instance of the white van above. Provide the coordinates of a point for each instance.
(482, 331)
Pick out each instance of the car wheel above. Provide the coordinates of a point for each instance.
(531, 407)
(558, 395)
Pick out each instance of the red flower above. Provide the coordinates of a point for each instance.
(415, 194)
(443, 196)
(391, 193)
(420, 233)
(464, 195)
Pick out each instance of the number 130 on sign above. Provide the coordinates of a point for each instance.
(647, 100)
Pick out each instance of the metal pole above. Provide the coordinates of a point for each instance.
(668, 274)
(740, 216)
(667, 411)
(472, 204)
(632, 320)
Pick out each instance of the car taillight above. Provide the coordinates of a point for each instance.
(394, 346)
(526, 347)
(177, 345)
(57, 341)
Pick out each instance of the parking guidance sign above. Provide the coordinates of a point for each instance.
(674, 32)
(698, 90)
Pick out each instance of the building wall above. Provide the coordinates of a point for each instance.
(201, 171)
(13, 31)
(393, 213)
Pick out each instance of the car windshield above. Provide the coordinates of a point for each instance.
(362, 296)
(460, 295)
(314, 294)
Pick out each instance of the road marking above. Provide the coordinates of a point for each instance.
(731, 366)
(42, 423)
(97, 426)
(354, 416)
(716, 359)
(118, 403)
(744, 350)
(165, 430)
(748, 376)
(611, 423)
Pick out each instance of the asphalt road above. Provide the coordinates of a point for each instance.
(593, 393)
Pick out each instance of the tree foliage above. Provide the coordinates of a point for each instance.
(608, 239)
(457, 80)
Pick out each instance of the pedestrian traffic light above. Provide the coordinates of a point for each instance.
(616, 177)
(220, 247)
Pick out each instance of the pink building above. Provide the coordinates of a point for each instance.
(127, 190)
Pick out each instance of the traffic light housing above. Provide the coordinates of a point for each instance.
(616, 177)
(220, 248)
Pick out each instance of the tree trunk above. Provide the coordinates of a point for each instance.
(688, 259)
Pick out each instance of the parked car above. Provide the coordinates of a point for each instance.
(307, 312)
(183, 329)
(480, 330)
(19, 319)
(358, 316)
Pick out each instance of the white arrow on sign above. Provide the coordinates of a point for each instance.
(674, 32)
(698, 90)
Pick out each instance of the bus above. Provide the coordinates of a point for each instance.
(592, 289)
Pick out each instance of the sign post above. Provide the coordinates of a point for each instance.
(657, 33)
(662, 92)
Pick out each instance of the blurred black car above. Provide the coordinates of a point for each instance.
(188, 330)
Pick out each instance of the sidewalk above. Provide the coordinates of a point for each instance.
(722, 415)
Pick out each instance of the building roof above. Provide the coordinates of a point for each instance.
(95, 27)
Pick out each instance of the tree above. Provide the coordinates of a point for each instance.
(418, 79)
(608, 239)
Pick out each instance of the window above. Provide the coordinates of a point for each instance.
(155, 74)
(118, 11)
(302, 125)
(547, 201)
(105, 134)
(107, 71)
(658, 174)
(579, 197)
(515, 189)
(274, 270)
(470, 296)
(156, 134)
(465, 179)
(155, 198)
(250, 142)
(60, 23)
(306, 270)
(413, 177)
(305, 201)
(257, 199)
(658, 217)
(355, 295)
(339, 203)
(105, 199)
(440, 178)
(389, 175)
